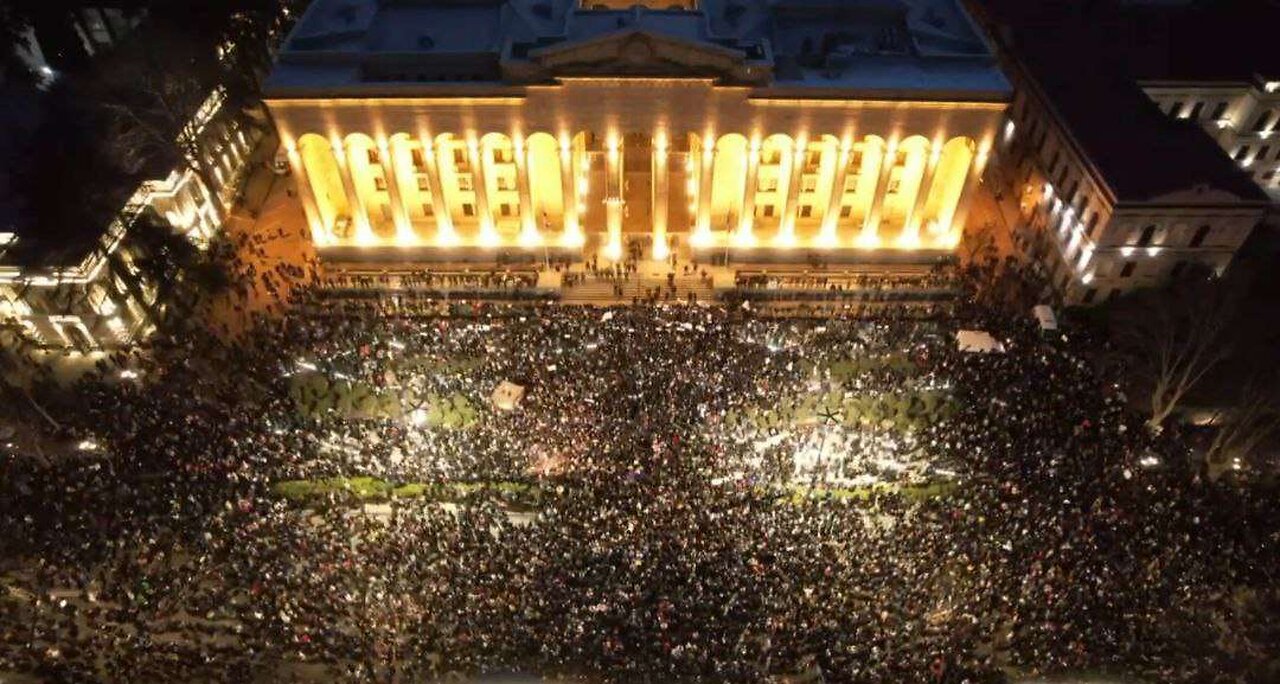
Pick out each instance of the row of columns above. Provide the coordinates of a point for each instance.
(571, 169)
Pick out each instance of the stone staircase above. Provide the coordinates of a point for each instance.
(600, 291)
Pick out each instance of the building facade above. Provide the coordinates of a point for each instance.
(1112, 194)
(96, 297)
(1243, 116)
(428, 130)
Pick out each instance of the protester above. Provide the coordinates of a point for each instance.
(663, 524)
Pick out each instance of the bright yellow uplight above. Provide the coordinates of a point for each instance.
(613, 250)
(530, 237)
(701, 238)
(447, 238)
(744, 238)
(660, 249)
(488, 236)
(909, 240)
(827, 239)
(785, 238)
(573, 238)
(868, 240)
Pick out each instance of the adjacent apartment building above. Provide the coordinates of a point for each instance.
(1113, 194)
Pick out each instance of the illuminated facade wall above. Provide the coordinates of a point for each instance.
(679, 157)
(1243, 117)
(102, 300)
(1093, 244)
(646, 125)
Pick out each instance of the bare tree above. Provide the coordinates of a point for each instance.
(1242, 428)
(1172, 337)
(153, 107)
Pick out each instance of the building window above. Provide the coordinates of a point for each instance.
(503, 183)
(468, 209)
(1196, 111)
(427, 210)
(768, 184)
(1128, 269)
(808, 183)
(846, 211)
(505, 209)
(423, 183)
(1111, 296)
(1177, 269)
(380, 183)
(768, 210)
(1260, 123)
(1263, 152)
(464, 182)
(1147, 234)
(806, 210)
(1089, 294)
(1093, 226)
(1241, 153)
(1176, 108)
(1218, 111)
(418, 160)
(373, 156)
(1201, 233)
(459, 156)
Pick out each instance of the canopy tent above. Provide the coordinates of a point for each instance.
(1045, 317)
(979, 341)
(507, 395)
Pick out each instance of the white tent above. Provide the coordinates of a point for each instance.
(979, 341)
(507, 395)
(1045, 316)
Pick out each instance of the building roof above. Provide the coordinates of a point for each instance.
(366, 46)
(1140, 153)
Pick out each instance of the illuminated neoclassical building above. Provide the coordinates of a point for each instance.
(757, 127)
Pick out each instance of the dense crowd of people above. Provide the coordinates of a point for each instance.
(655, 539)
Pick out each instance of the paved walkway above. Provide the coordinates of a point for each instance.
(269, 231)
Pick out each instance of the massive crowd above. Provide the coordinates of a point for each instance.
(660, 536)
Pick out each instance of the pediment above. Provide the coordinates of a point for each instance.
(634, 52)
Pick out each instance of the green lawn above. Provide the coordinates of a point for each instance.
(315, 395)
(901, 411)
(524, 495)
(370, 489)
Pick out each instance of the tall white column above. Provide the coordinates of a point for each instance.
(661, 197)
(310, 208)
(915, 220)
(702, 225)
(572, 236)
(960, 212)
(529, 235)
(871, 227)
(750, 184)
(827, 236)
(404, 230)
(445, 234)
(359, 213)
(479, 185)
(787, 225)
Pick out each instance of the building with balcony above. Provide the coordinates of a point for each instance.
(422, 130)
